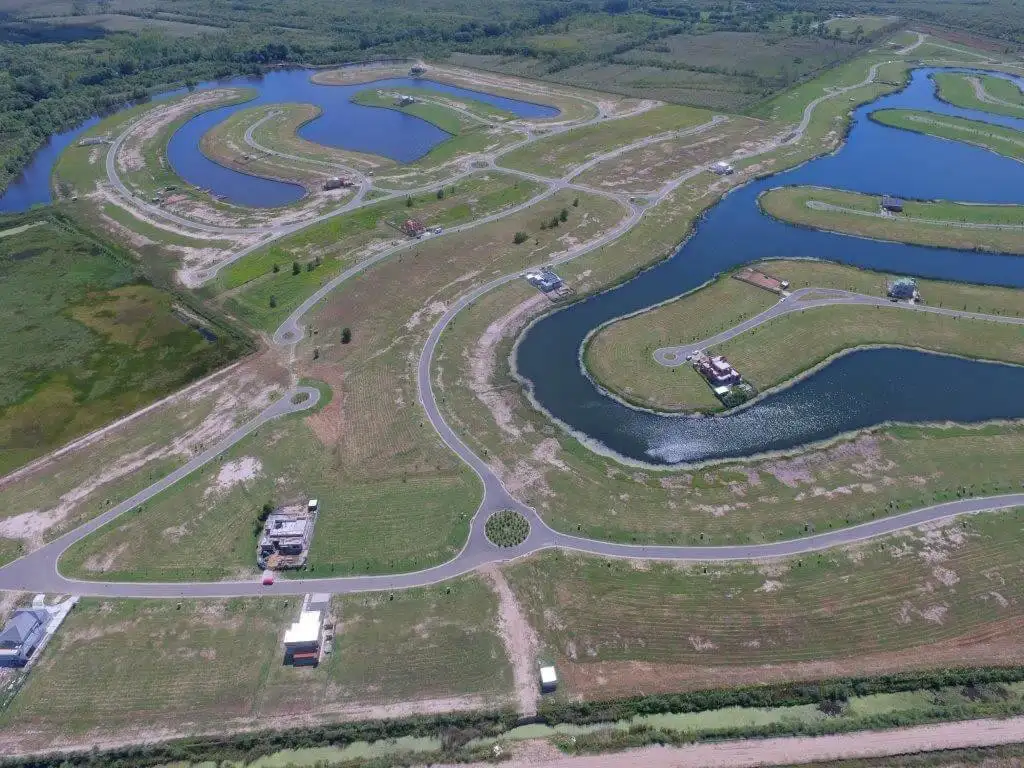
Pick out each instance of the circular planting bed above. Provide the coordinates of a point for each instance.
(507, 528)
(300, 397)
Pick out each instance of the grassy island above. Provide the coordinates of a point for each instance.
(938, 223)
(986, 93)
(1004, 141)
(620, 355)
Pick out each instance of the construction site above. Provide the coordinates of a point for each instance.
(287, 534)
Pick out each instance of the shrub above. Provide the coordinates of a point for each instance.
(346, 335)
(520, 238)
(564, 215)
(507, 528)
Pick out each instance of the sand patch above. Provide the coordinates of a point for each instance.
(235, 472)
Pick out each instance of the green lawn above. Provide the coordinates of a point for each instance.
(620, 355)
(1005, 141)
(778, 620)
(87, 339)
(957, 89)
(342, 240)
(848, 26)
(557, 154)
(178, 668)
(368, 526)
(932, 223)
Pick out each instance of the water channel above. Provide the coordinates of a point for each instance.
(343, 124)
(861, 389)
(857, 390)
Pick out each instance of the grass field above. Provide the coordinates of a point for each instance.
(958, 90)
(645, 169)
(151, 669)
(1004, 141)
(556, 155)
(942, 224)
(922, 598)
(432, 106)
(620, 355)
(341, 241)
(376, 525)
(87, 339)
(848, 25)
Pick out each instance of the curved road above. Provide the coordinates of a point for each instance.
(38, 570)
(798, 302)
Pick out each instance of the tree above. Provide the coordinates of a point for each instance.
(310, 266)
(346, 335)
(408, 202)
(554, 222)
(276, 268)
(520, 238)
(575, 202)
(273, 301)
(564, 215)
(316, 353)
(295, 268)
(440, 194)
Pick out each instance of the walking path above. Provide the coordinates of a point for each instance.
(38, 570)
(984, 96)
(798, 301)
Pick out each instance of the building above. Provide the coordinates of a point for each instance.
(22, 635)
(545, 280)
(302, 640)
(722, 168)
(903, 289)
(404, 101)
(286, 537)
(414, 228)
(417, 70)
(892, 204)
(717, 370)
(337, 182)
(548, 679)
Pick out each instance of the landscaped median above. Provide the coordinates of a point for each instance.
(939, 223)
(1004, 141)
(620, 356)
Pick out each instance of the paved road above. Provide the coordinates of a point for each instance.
(798, 301)
(38, 570)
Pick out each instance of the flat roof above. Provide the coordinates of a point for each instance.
(305, 630)
(547, 675)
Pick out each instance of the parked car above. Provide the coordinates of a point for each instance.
(268, 577)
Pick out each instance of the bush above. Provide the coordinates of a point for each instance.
(295, 268)
(507, 528)
(273, 301)
(520, 238)
(564, 215)
(346, 335)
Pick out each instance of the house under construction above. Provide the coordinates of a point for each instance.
(286, 537)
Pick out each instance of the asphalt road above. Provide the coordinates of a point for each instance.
(797, 302)
(38, 570)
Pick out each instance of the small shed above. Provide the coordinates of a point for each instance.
(892, 204)
(548, 679)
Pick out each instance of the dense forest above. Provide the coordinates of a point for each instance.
(62, 61)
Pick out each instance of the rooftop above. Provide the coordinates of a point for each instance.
(547, 675)
(305, 630)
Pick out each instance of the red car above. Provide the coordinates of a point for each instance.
(268, 577)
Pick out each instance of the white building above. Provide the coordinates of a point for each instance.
(548, 679)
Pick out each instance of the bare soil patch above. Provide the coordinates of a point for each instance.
(520, 641)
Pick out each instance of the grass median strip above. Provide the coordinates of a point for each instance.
(942, 224)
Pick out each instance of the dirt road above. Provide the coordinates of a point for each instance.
(789, 751)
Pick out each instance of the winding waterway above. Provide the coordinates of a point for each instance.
(342, 124)
(861, 389)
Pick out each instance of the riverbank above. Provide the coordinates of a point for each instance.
(941, 224)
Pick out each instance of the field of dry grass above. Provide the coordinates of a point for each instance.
(927, 597)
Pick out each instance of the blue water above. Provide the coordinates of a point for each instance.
(345, 125)
(858, 390)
